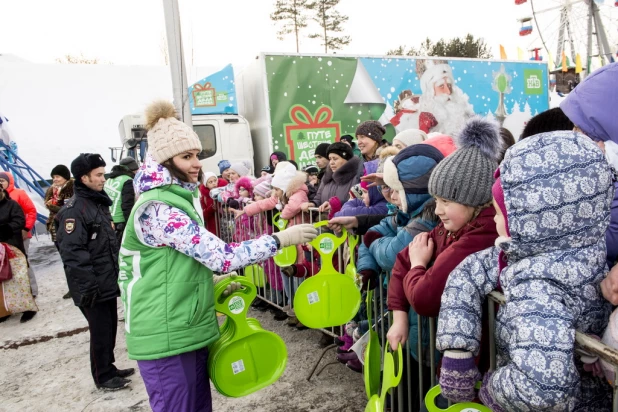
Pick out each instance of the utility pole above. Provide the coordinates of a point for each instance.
(177, 60)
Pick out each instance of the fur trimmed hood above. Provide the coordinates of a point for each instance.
(297, 183)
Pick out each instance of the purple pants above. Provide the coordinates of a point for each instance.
(178, 383)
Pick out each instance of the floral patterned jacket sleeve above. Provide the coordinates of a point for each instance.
(165, 225)
(461, 308)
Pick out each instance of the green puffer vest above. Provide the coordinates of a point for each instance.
(113, 188)
(168, 297)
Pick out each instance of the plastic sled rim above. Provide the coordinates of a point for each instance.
(312, 316)
(433, 393)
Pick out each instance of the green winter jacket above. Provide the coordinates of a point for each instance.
(168, 297)
(113, 188)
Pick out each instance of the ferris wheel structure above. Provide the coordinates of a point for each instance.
(572, 32)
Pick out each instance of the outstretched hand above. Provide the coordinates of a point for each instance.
(349, 222)
(374, 179)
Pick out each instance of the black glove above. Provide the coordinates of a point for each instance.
(88, 299)
(369, 278)
(233, 203)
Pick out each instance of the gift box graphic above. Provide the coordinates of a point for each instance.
(204, 95)
(308, 131)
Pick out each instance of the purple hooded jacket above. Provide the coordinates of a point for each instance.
(377, 203)
(591, 106)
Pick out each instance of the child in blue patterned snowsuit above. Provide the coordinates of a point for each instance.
(552, 200)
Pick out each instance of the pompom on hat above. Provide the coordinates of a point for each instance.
(243, 168)
(168, 136)
(466, 176)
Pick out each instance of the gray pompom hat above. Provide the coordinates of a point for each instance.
(466, 176)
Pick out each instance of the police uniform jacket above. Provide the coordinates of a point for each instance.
(88, 245)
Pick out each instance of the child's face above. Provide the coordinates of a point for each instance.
(232, 176)
(500, 221)
(211, 183)
(243, 192)
(278, 193)
(453, 215)
(387, 193)
(392, 196)
(313, 179)
(264, 173)
(257, 197)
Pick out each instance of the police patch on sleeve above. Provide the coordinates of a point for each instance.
(69, 226)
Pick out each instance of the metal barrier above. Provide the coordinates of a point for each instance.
(278, 290)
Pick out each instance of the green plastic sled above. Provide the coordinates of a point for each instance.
(245, 358)
(286, 256)
(373, 356)
(430, 403)
(329, 298)
(350, 269)
(255, 273)
(391, 377)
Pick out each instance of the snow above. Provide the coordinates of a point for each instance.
(54, 374)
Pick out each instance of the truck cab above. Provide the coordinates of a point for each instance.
(223, 136)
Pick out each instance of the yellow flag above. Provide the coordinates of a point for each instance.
(502, 53)
(578, 63)
(564, 63)
(520, 53)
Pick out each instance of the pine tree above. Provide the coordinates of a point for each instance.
(331, 22)
(289, 14)
(467, 46)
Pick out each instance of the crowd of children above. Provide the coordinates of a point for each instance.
(448, 219)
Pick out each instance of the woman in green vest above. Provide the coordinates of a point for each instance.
(167, 260)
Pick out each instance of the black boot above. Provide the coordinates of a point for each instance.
(27, 315)
(280, 315)
(114, 384)
(125, 373)
(67, 295)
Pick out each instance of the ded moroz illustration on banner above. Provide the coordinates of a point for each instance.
(315, 99)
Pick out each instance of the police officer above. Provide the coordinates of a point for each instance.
(89, 252)
(119, 187)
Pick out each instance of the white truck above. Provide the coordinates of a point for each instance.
(292, 103)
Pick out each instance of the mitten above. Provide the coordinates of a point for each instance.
(370, 236)
(485, 396)
(591, 362)
(335, 206)
(458, 376)
(426, 121)
(296, 235)
(369, 279)
(233, 203)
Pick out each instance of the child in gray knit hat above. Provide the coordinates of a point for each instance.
(461, 185)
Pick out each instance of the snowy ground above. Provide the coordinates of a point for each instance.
(43, 369)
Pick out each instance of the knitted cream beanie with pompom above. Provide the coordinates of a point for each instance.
(168, 136)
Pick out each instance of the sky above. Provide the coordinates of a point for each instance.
(132, 32)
